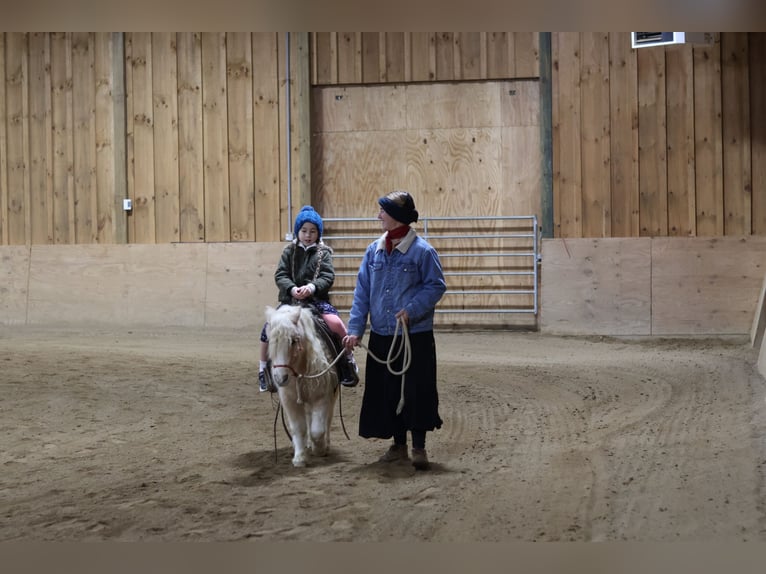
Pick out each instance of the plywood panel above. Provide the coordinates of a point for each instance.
(453, 105)
(520, 103)
(623, 141)
(652, 142)
(240, 283)
(682, 220)
(190, 139)
(214, 122)
(15, 122)
(596, 286)
(14, 279)
(165, 113)
(594, 91)
(456, 171)
(735, 100)
(706, 286)
(266, 172)
(350, 108)
(354, 169)
(239, 90)
(522, 171)
(567, 166)
(708, 144)
(118, 284)
(757, 51)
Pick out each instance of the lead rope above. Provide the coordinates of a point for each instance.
(404, 346)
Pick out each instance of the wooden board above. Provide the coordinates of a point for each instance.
(165, 113)
(190, 285)
(190, 140)
(266, 172)
(215, 138)
(239, 92)
(757, 51)
(759, 319)
(17, 202)
(708, 144)
(735, 100)
(14, 281)
(141, 112)
(3, 150)
(706, 286)
(623, 140)
(84, 93)
(652, 144)
(682, 209)
(40, 142)
(118, 284)
(62, 125)
(240, 283)
(596, 286)
(108, 197)
(594, 93)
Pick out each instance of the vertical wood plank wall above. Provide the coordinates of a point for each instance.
(651, 142)
(685, 134)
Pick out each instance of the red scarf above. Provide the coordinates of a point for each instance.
(397, 233)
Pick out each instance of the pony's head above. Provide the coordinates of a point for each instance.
(294, 348)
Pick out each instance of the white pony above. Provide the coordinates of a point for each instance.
(298, 354)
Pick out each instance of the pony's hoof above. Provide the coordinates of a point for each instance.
(299, 462)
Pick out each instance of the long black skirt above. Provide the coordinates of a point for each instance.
(382, 390)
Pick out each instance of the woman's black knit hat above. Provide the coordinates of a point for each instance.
(405, 213)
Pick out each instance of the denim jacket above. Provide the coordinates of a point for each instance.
(410, 278)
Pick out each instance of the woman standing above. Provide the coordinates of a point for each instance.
(400, 278)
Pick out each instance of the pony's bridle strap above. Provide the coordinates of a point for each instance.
(289, 367)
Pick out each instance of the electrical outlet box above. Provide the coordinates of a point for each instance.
(127, 204)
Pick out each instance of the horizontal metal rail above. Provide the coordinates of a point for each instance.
(528, 234)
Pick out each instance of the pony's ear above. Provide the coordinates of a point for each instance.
(269, 312)
(295, 314)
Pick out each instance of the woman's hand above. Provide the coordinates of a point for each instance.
(404, 316)
(350, 341)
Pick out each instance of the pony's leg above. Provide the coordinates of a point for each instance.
(321, 421)
(296, 422)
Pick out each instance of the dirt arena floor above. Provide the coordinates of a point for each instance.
(162, 436)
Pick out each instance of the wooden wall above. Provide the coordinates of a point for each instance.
(658, 141)
(191, 126)
(659, 286)
(185, 285)
(399, 57)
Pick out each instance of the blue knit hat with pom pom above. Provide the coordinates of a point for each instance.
(308, 214)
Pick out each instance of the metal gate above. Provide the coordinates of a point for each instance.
(491, 266)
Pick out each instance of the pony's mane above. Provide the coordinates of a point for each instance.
(282, 329)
